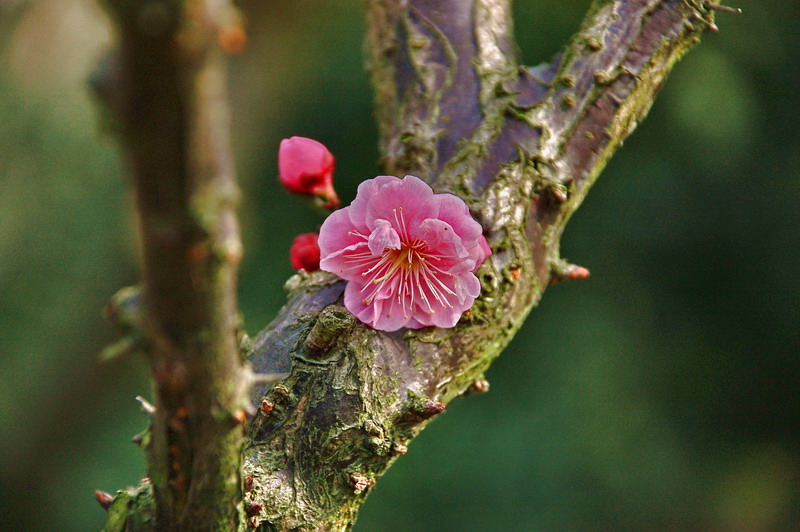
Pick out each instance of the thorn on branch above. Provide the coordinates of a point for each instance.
(480, 386)
(128, 345)
(419, 409)
(142, 439)
(147, 406)
(240, 416)
(562, 270)
(104, 498)
(725, 9)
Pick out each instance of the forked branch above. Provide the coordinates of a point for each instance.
(522, 146)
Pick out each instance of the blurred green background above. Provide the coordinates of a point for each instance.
(660, 394)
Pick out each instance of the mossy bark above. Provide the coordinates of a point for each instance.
(522, 146)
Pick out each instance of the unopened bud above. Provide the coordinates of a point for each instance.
(305, 166)
(304, 253)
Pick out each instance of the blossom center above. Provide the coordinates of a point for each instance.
(409, 276)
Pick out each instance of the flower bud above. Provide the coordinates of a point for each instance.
(305, 166)
(304, 253)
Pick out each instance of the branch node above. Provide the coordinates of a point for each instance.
(558, 192)
(594, 43)
(333, 323)
(480, 386)
(398, 449)
(360, 482)
(280, 392)
(267, 406)
(253, 508)
(104, 499)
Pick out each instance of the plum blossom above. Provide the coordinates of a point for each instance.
(305, 166)
(409, 255)
(304, 253)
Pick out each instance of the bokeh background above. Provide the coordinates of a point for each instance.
(661, 393)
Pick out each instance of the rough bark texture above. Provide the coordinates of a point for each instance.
(171, 111)
(520, 145)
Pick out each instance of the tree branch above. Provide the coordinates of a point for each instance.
(522, 146)
(172, 112)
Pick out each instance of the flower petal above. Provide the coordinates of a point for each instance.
(405, 203)
(350, 262)
(392, 315)
(354, 302)
(446, 310)
(455, 212)
(338, 232)
(368, 191)
(445, 249)
(480, 252)
(383, 237)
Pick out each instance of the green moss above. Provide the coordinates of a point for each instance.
(133, 510)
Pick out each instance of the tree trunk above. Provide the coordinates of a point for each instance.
(171, 111)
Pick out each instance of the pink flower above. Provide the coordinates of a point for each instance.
(305, 166)
(304, 253)
(408, 254)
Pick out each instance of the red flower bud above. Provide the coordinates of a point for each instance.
(304, 253)
(305, 166)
